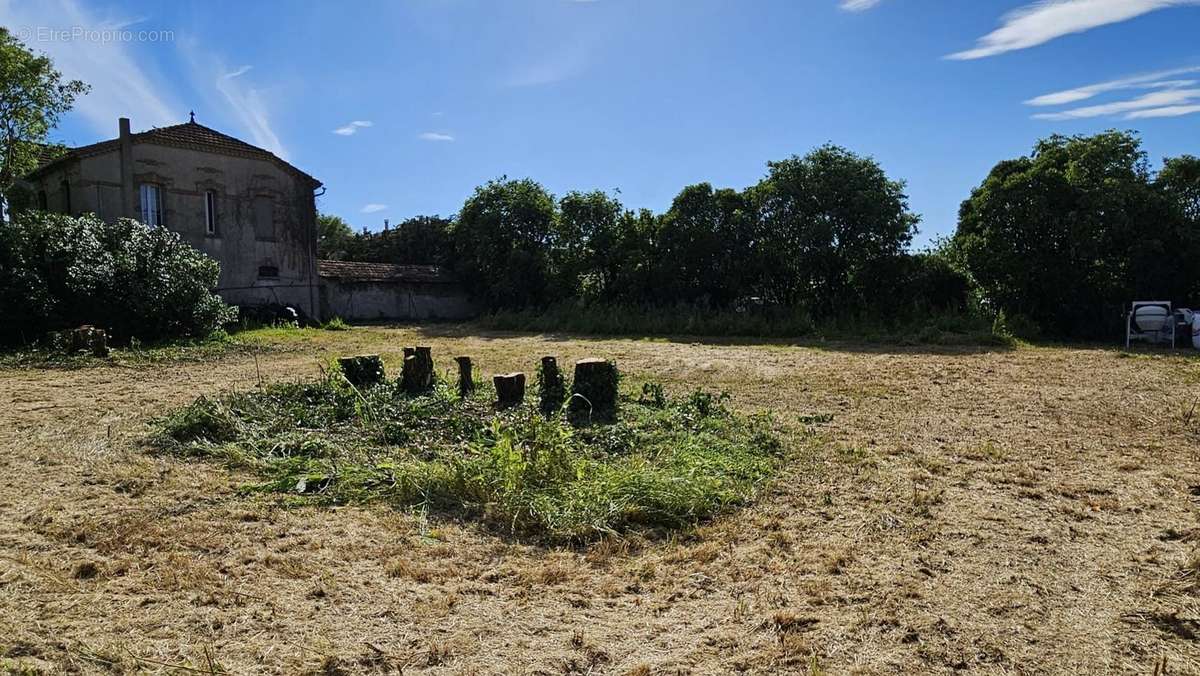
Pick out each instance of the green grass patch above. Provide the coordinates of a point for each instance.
(282, 335)
(665, 462)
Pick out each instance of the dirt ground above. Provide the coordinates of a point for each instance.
(992, 510)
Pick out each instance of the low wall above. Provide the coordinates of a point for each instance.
(393, 300)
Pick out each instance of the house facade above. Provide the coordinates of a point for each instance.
(242, 205)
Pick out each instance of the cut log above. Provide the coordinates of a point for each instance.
(90, 339)
(363, 371)
(552, 391)
(466, 383)
(594, 392)
(510, 389)
(417, 375)
(426, 354)
(86, 338)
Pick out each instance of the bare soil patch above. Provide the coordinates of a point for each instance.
(1028, 510)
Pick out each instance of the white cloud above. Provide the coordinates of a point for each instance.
(1153, 100)
(1046, 20)
(1166, 111)
(554, 64)
(353, 127)
(239, 72)
(120, 86)
(1171, 97)
(858, 5)
(251, 110)
(373, 208)
(1159, 80)
(232, 99)
(120, 24)
(435, 136)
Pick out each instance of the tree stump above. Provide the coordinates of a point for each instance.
(510, 389)
(552, 390)
(363, 371)
(594, 392)
(417, 375)
(90, 339)
(466, 384)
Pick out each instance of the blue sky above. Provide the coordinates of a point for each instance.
(402, 108)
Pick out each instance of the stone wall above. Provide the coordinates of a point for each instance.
(393, 300)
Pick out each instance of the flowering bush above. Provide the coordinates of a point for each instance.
(59, 271)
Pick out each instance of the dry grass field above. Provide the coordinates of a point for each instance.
(1029, 510)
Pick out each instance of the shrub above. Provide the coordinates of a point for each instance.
(336, 324)
(919, 324)
(1016, 326)
(59, 271)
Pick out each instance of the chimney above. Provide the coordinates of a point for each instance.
(128, 194)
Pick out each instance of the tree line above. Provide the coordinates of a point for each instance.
(827, 231)
(1055, 243)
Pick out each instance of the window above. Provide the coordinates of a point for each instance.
(268, 272)
(43, 203)
(210, 212)
(65, 189)
(151, 199)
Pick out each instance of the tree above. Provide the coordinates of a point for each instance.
(828, 221)
(630, 263)
(585, 243)
(1067, 236)
(33, 95)
(704, 244)
(1178, 183)
(333, 237)
(421, 240)
(503, 239)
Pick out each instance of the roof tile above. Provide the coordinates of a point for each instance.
(354, 271)
(186, 135)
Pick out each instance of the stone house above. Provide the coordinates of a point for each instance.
(242, 205)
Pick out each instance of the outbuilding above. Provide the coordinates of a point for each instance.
(381, 291)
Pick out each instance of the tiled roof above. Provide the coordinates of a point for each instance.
(47, 153)
(190, 135)
(353, 271)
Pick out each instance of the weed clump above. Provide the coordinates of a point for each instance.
(662, 462)
(204, 421)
